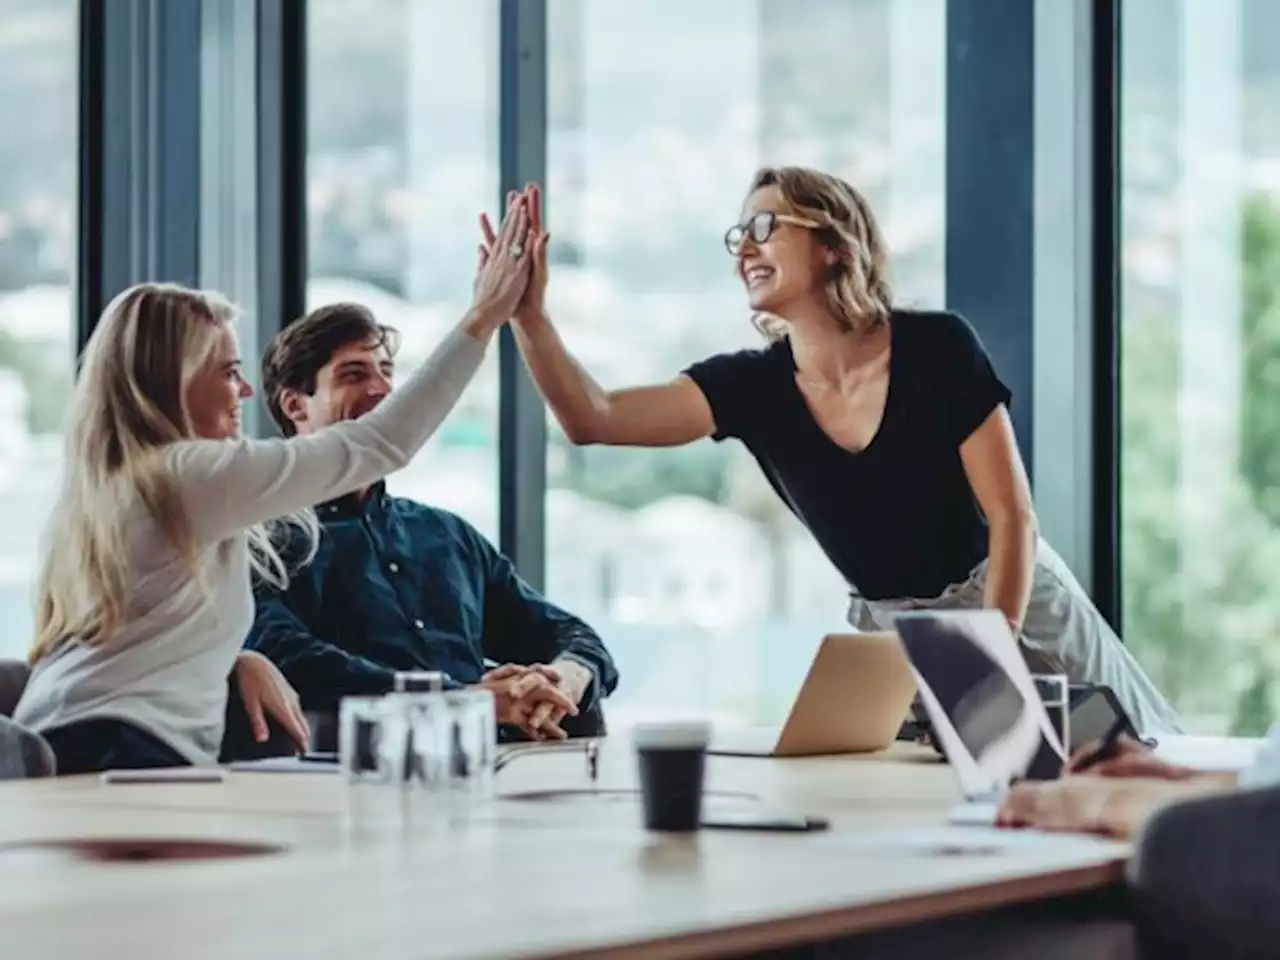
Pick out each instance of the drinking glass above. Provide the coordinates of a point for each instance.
(1054, 691)
(418, 681)
(373, 734)
(454, 741)
(374, 753)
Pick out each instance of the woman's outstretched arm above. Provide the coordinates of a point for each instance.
(659, 415)
(228, 486)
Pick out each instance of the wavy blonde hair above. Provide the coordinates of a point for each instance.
(857, 291)
(129, 403)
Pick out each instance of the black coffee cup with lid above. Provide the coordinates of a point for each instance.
(672, 760)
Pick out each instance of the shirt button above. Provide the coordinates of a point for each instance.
(419, 624)
(393, 567)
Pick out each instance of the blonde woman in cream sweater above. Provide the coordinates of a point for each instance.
(145, 590)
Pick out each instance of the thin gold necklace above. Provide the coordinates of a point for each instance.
(816, 384)
(820, 385)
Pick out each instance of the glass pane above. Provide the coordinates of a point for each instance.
(1200, 354)
(710, 594)
(38, 64)
(402, 154)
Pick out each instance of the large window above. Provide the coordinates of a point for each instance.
(402, 156)
(710, 594)
(1200, 355)
(38, 58)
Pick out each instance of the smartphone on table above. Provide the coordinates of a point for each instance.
(761, 820)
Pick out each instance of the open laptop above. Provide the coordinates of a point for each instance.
(982, 705)
(854, 698)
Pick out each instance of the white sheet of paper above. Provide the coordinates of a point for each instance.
(285, 765)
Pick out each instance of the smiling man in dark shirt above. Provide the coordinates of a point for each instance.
(400, 586)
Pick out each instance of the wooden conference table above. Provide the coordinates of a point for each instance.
(572, 874)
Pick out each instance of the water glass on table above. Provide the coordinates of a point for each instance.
(426, 752)
(454, 739)
(418, 681)
(373, 753)
(1054, 690)
(373, 737)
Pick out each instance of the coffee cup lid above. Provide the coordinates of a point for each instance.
(681, 734)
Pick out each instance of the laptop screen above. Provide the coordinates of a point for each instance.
(981, 700)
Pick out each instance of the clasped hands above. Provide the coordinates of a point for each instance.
(537, 697)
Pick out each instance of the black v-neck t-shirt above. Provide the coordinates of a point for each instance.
(898, 519)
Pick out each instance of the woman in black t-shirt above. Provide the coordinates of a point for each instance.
(885, 431)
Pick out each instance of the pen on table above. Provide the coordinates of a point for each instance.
(1107, 749)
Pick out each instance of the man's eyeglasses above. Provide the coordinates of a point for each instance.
(760, 228)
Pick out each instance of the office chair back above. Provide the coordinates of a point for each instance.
(23, 753)
(13, 680)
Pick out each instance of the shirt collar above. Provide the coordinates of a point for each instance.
(351, 505)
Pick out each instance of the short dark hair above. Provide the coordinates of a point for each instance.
(297, 353)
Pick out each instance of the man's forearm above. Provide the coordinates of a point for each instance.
(578, 677)
(581, 644)
(1010, 567)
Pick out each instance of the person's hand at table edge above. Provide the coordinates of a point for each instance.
(267, 694)
(1130, 758)
(1107, 806)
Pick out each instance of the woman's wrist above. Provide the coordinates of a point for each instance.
(1015, 623)
(482, 321)
(533, 320)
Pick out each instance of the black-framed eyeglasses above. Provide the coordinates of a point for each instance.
(760, 228)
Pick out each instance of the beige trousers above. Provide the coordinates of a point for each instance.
(1063, 632)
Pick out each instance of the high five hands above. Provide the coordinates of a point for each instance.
(506, 270)
(528, 200)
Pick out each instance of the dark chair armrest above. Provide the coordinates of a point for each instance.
(13, 680)
(1206, 877)
(23, 753)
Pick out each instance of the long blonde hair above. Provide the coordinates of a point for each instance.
(129, 403)
(857, 291)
